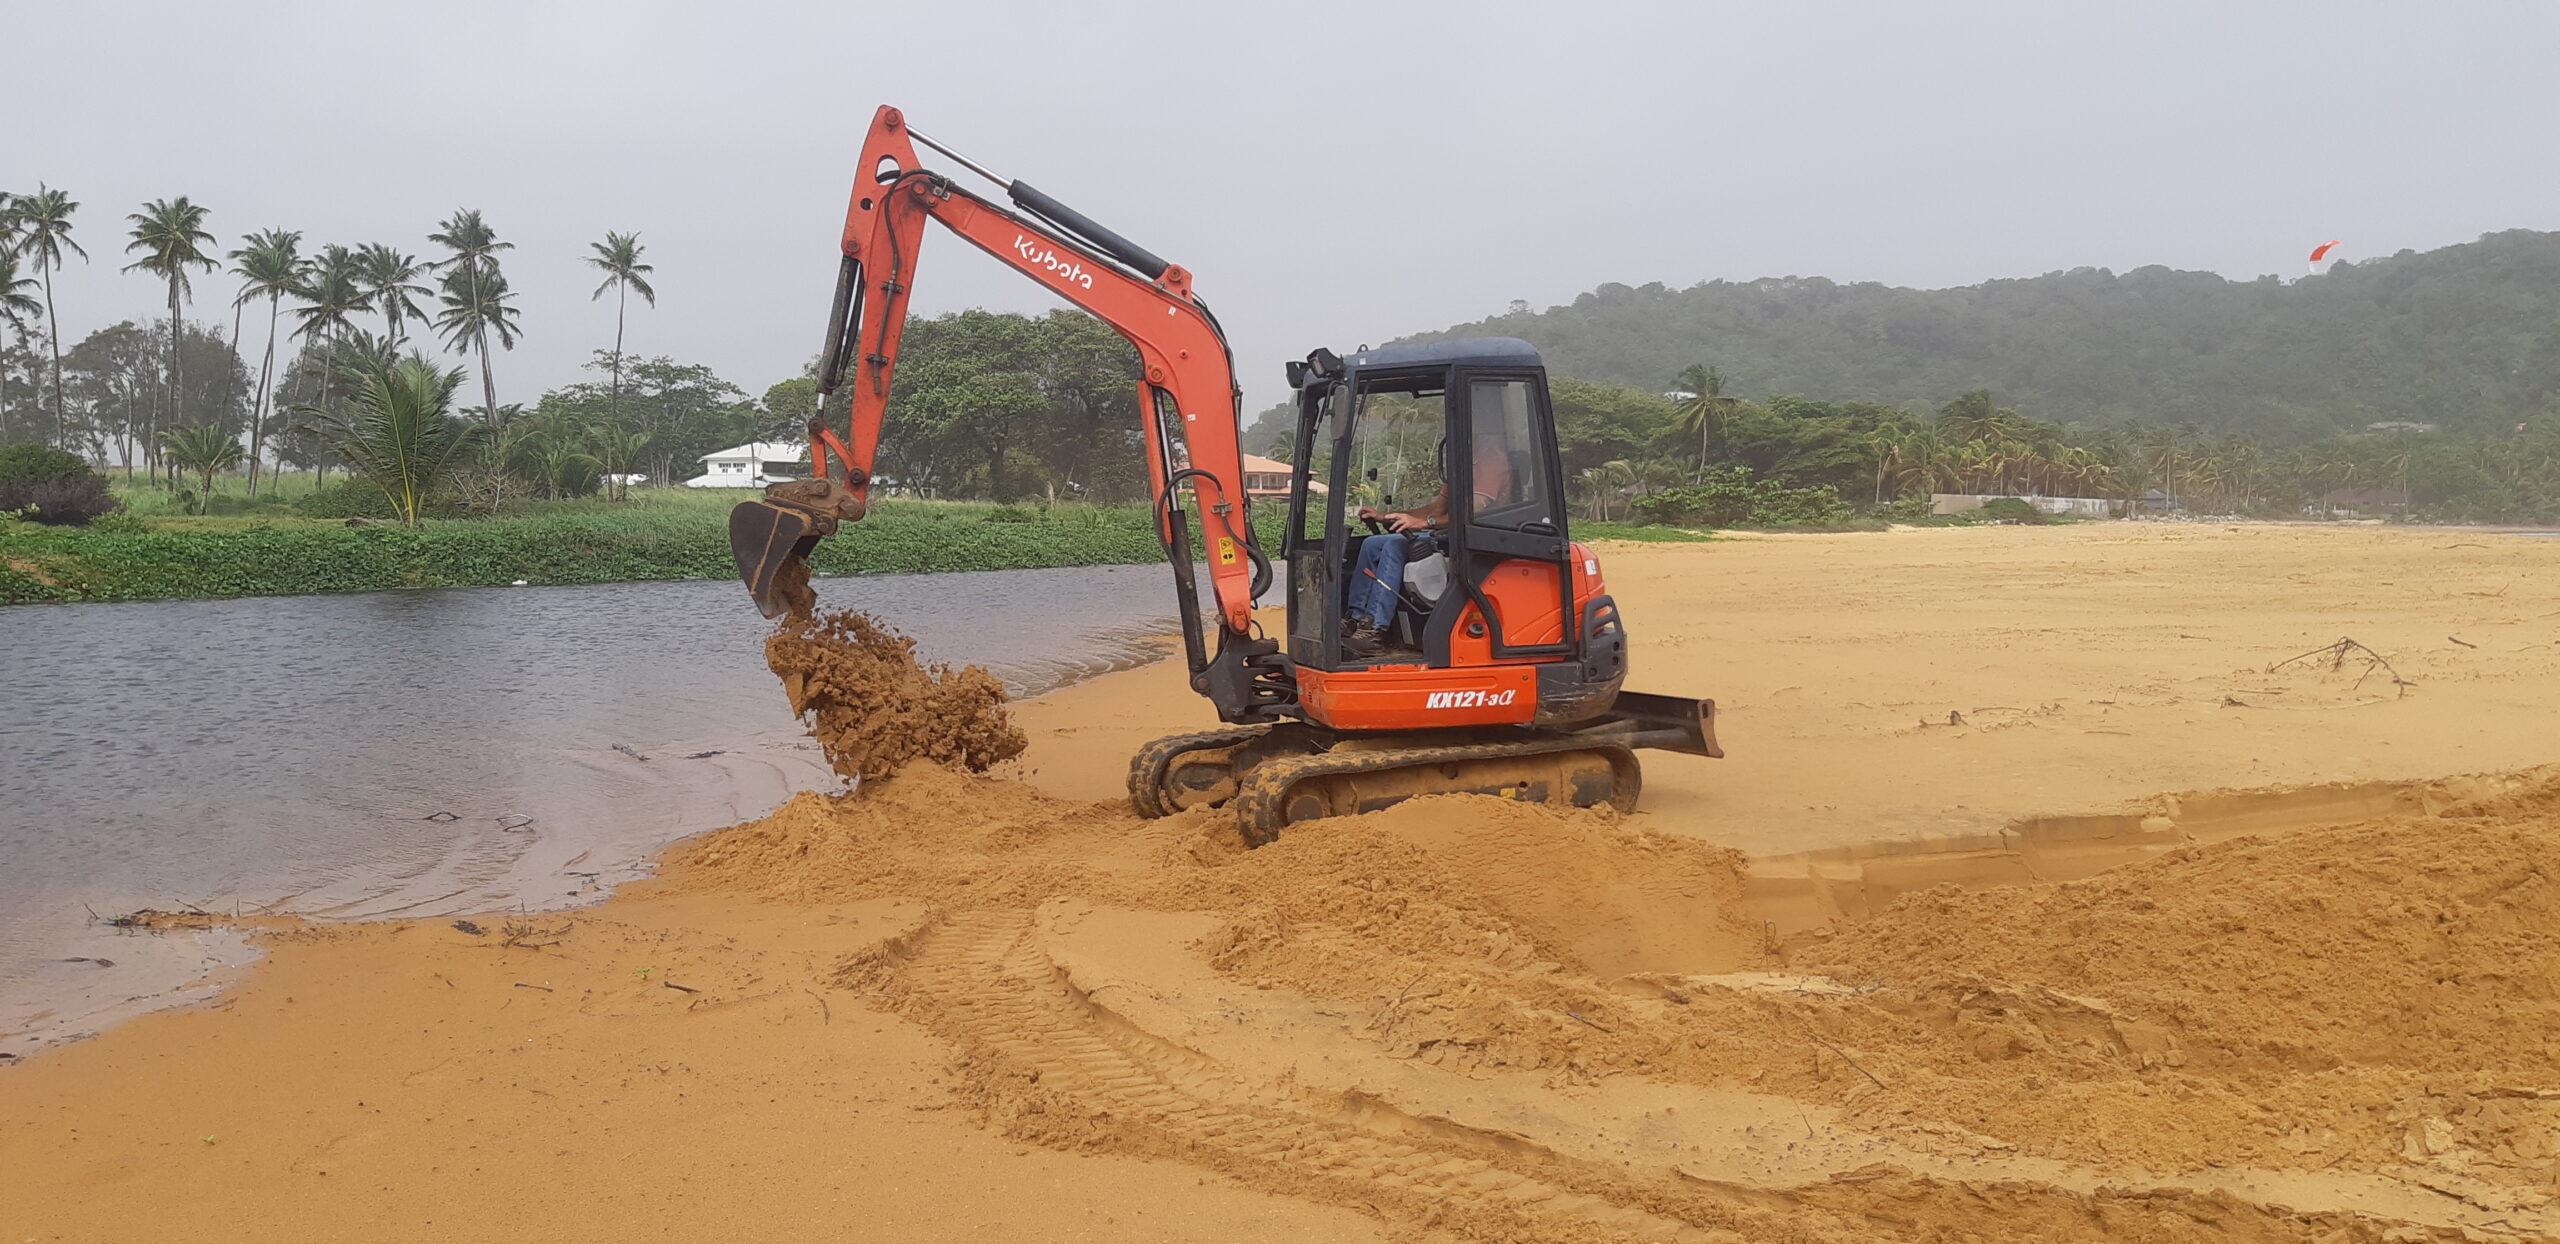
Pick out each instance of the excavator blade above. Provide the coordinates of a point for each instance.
(765, 538)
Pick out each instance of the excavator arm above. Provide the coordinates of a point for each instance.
(1187, 393)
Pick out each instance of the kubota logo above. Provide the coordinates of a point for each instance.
(1469, 699)
(1066, 270)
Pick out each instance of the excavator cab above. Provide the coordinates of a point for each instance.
(1498, 618)
(1502, 668)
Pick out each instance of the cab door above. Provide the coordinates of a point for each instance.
(1509, 545)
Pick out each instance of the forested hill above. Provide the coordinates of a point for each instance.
(2467, 337)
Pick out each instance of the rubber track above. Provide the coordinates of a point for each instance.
(982, 975)
(1147, 768)
(1261, 798)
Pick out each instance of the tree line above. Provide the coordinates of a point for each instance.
(1622, 445)
(2454, 344)
(135, 387)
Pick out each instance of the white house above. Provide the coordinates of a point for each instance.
(1269, 477)
(752, 465)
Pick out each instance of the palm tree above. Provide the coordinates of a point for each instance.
(44, 223)
(387, 278)
(269, 265)
(17, 306)
(400, 433)
(202, 450)
(329, 296)
(1974, 417)
(1706, 409)
(170, 234)
(475, 250)
(475, 307)
(618, 257)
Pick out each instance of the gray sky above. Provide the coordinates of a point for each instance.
(1332, 174)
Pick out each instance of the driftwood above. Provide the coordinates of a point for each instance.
(2340, 653)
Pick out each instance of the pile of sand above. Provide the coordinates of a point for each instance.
(873, 707)
(2377, 996)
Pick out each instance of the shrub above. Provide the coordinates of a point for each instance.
(1010, 514)
(1735, 499)
(348, 498)
(51, 486)
(2010, 510)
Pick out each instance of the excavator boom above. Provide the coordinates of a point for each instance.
(1187, 387)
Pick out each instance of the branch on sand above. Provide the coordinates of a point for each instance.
(2340, 653)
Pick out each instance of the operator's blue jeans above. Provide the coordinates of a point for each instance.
(1381, 571)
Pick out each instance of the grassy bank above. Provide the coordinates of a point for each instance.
(670, 534)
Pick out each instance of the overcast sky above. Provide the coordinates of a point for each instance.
(1331, 174)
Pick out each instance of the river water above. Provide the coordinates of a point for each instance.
(423, 752)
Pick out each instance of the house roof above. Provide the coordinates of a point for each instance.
(1270, 466)
(761, 451)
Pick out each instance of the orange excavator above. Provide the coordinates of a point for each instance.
(1499, 669)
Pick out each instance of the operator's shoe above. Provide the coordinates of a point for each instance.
(1364, 639)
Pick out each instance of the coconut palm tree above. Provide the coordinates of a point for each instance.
(202, 450)
(1703, 413)
(44, 232)
(17, 306)
(171, 236)
(387, 278)
(618, 257)
(269, 265)
(330, 297)
(399, 432)
(475, 250)
(476, 308)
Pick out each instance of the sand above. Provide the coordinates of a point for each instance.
(2154, 945)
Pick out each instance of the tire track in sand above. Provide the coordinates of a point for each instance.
(981, 977)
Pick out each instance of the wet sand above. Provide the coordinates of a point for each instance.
(2266, 967)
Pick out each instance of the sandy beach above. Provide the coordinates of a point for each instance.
(2043, 894)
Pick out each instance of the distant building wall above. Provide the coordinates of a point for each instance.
(1943, 503)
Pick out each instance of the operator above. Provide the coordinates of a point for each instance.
(1410, 534)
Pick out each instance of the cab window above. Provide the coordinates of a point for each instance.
(1506, 488)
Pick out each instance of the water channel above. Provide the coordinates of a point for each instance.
(423, 752)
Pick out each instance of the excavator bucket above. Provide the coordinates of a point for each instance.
(766, 538)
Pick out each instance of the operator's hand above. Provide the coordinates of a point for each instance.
(1407, 522)
(1367, 512)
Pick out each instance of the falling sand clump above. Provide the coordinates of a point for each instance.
(872, 706)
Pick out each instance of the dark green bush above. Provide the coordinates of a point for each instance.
(51, 486)
(1011, 514)
(2010, 510)
(1734, 499)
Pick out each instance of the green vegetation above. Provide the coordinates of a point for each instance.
(398, 436)
(2424, 383)
(670, 537)
(2466, 337)
(46, 485)
(1622, 446)
(2421, 385)
(203, 452)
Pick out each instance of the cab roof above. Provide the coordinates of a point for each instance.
(1478, 351)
